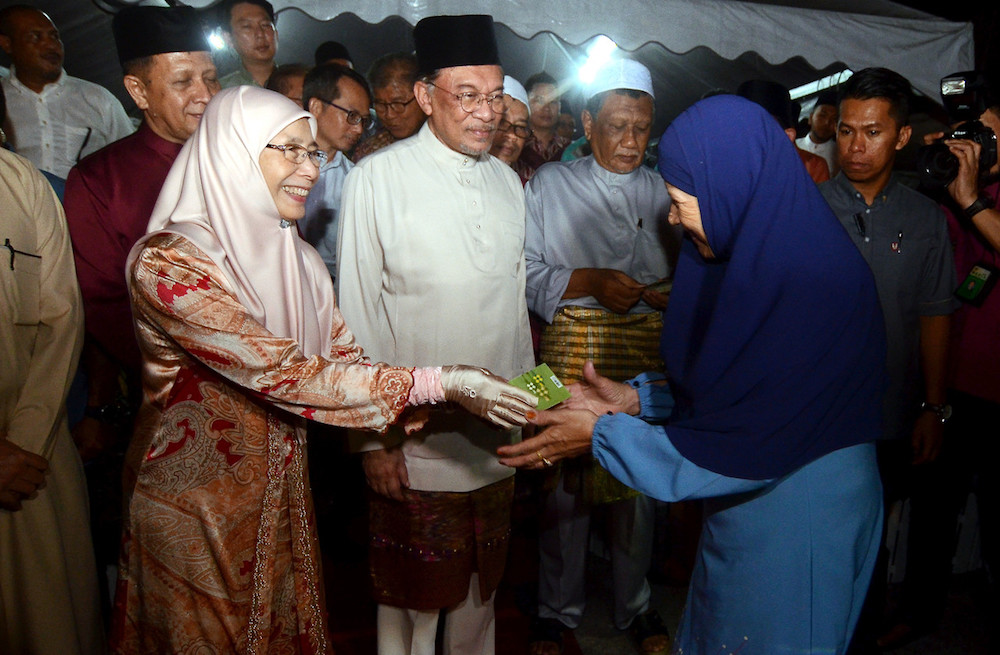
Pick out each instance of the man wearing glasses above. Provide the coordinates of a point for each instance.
(513, 130)
(392, 78)
(430, 269)
(339, 99)
(248, 28)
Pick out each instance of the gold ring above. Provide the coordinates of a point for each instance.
(545, 461)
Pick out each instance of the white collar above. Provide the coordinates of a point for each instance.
(51, 87)
(443, 153)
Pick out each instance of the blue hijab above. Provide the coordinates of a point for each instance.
(776, 348)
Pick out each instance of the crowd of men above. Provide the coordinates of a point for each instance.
(558, 262)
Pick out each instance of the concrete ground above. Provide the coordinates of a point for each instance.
(962, 631)
(343, 532)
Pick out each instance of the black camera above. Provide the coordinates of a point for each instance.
(938, 167)
(965, 96)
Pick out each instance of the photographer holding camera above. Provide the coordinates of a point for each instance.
(968, 177)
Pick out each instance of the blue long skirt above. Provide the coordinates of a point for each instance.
(781, 568)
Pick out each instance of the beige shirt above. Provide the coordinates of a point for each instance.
(431, 272)
(48, 579)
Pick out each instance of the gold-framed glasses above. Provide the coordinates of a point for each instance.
(470, 101)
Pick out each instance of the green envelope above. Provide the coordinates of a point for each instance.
(543, 383)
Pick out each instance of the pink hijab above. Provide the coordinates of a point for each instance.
(215, 196)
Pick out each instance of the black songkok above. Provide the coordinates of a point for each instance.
(146, 31)
(446, 41)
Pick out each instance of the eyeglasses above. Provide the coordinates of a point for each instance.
(522, 131)
(297, 154)
(397, 107)
(470, 101)
(353, 117)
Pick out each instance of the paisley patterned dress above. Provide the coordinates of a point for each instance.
(219, 551)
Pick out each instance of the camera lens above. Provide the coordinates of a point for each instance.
(936, 165)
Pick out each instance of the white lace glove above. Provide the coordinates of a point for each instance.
(486, 395)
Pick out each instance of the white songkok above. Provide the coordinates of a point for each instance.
(515, 90)
(621, 74)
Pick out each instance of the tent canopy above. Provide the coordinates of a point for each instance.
(859, 33)
(690, 46)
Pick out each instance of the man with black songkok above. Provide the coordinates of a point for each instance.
(109, 197)
(430, 265)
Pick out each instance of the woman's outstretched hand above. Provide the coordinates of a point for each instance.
(486, 395)
(601, 395)
(566, 433)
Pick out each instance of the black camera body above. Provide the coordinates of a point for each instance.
(938, 167)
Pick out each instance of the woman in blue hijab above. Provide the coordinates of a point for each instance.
(775, 349)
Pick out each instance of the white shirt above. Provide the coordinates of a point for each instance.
(827, 150)
(581, 215)
(430, 268)
(70, 119)
(320, 224)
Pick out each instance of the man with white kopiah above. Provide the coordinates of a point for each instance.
(599, 254)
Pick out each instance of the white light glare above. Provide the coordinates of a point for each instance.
(820, 84)
(598, 53)
(216, 40)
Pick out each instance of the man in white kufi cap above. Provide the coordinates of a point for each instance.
(514, 129)
(599, 254)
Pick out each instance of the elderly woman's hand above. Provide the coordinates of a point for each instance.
(566, 433)
(601, 395)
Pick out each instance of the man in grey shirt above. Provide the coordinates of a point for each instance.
(903, 236)
(596, 242)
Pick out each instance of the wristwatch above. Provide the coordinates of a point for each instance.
(982, 202)
(943, 412)
(115, 413)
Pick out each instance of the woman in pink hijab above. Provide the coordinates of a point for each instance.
(242, 343)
